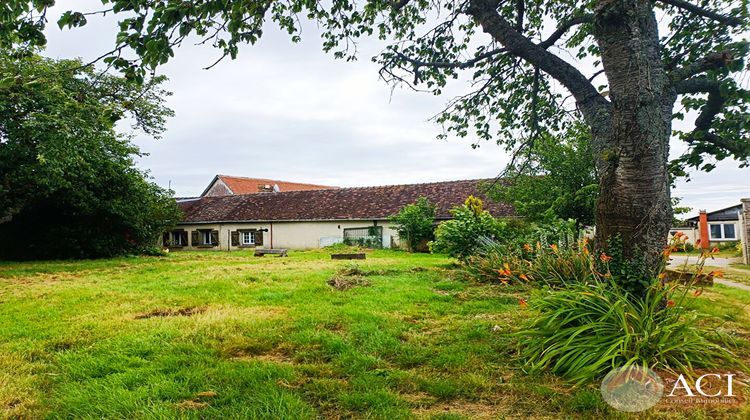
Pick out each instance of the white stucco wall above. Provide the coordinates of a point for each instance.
(290, 235)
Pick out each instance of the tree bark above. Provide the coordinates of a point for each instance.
(632, 154)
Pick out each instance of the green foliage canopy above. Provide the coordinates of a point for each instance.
(68, 182)
(515, 95)
(557, 181)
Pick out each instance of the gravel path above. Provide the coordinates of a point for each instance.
(679, 260)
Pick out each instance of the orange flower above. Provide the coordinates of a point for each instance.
(523, 277)
(670, 303)
(538, 245)
(662, 275)
(668, 251)
(605, 258)
(522, 303)
(554, 247)
(697, 242)
(717, 273)
(698, 292)
(527, 247)
(679, 235)
(714, 250)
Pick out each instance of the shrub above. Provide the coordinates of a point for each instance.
(584, 331)
(415, 224)
(461, 237)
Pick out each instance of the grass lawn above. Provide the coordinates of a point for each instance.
(220, 335)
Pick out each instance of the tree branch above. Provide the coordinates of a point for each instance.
(520, 10)
(713, 106)
(399, 4)
(559, 32)
(700, 84)
(697, 10)
(588, 98)
(712, 61)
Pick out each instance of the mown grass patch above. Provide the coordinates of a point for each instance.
(227, 335)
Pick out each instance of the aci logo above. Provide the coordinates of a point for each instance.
(632, 389)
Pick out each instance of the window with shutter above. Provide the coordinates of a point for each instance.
(214, 237)
(235, 238)
(258, 237)
(195, 238)
(183, 238)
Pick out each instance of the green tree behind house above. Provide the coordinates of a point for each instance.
(415, 224)
(556, 180)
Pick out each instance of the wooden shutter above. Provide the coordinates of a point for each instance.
(165, 238)
(184, 236)
(235, 238)
(195, 238)
(214, 237)
(258, 237)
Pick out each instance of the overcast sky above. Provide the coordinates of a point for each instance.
(291, 112)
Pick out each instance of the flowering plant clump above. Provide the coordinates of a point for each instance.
(586, 328)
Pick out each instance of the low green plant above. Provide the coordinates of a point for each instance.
(559, 266)
(415, 224)
(462, 236)
(552, 265)
(585, 330)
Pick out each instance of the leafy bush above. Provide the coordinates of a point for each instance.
(462, 236)
(415, 224)
(585, 330)
(69, 186)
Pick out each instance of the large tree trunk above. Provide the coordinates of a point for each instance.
(632, 152)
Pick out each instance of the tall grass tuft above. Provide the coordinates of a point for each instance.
(585, 330)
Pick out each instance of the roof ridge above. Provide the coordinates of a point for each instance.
(271, 179)
(344, 189)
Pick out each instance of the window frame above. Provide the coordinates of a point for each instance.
(206, 234)
(176, 239)
(250, 234)
(722, 230)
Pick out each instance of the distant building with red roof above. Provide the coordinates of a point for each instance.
(223, 185)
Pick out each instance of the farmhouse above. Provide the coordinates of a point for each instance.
(313, 218)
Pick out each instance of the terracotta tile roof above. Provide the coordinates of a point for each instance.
(363, 203)
(242, 185)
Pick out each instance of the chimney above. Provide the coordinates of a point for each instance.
(703, 229)
(264, 188)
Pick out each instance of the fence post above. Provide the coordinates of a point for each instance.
(745, 230)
